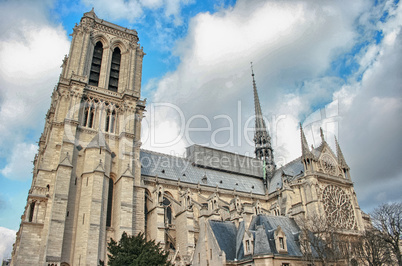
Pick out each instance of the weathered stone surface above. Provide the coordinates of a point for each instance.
(90, 149)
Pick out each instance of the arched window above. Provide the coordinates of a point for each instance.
(96, 65)
(168, 211)
(110, 121)
(91, 118)
(31, 211)
(114, 70)
(109, 203)
(89, 115)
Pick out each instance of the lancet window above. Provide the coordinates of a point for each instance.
(89, 115)
(115, 70)
(96, 64)
(110, 123)
(109, 203)
(168, 211)
(31, 211)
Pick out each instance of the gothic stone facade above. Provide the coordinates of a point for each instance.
(92, 182)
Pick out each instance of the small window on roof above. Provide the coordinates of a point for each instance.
(281, 243)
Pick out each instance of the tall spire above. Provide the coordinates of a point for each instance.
(306, 153)
(262, 140)
(259, 119)
(339, 154)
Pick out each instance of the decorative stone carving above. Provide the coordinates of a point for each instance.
(338, 207)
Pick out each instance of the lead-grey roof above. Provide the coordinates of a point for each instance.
(270, 224)
(263, 227)
(239, 240)
(261, 243)
(175, 168)
(291, 171)
(225, 233)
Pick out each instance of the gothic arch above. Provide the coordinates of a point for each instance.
(167, 203)
(99, 37)
(113, 176)
(167, 193)
(115, 69)
(114, 43)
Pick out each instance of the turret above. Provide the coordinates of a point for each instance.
(341, 160)
(307, 156)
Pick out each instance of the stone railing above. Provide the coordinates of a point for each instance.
(104, 91)
(39, 191)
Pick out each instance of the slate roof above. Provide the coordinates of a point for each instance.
(270, 224)
(291, 172)
(263, 227)
(225, 233)
(174, 168)
(261, 242)
(239, 240)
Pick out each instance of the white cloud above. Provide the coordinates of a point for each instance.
(371, 125)
(133, 10)
(289, 42)
(30, 57)
(118, 9)
(293, 45)
(20, 162)
(7, 237)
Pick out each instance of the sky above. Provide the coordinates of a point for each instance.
(330, 64)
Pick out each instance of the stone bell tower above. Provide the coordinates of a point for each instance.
(86, 179)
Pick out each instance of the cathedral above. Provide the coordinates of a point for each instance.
(92, 181)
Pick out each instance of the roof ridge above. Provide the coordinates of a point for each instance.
(292, 161)
(216, 149)
(164, 154)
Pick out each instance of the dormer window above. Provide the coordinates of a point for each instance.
(96, 65)
(281, 243)
(115, 70)
(248, 243)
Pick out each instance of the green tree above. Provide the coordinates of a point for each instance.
(136, 250)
